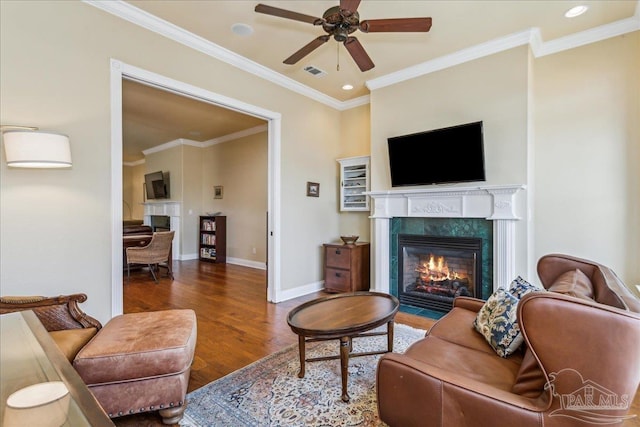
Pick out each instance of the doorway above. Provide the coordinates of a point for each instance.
(120, 71)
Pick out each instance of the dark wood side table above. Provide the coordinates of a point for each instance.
(344, 317)
(346, 267)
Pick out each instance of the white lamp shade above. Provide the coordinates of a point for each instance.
(36, 149)
(43, 404)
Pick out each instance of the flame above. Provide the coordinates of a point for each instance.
(436, 269)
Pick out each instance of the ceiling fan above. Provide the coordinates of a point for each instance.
(339, 22)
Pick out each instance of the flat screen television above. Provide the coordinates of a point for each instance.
(157, 185)
(439, 156)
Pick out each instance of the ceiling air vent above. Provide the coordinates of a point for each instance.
(315, 72)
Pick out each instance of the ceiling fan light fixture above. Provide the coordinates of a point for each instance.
(242, 29)
(576, 11)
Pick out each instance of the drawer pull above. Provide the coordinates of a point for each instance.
(338, 252)
(338, 275)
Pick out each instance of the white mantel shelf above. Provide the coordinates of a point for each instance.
(492, 202)
(496, 203)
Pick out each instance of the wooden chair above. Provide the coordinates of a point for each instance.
(152, 255)
(69, 326)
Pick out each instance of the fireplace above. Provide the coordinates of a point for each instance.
(433, 270)
(161, 222)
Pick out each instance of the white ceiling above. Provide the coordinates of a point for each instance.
(458, 26)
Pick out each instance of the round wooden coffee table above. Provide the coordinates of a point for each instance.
(344, 317)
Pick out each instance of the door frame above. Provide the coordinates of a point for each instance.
(119, 71)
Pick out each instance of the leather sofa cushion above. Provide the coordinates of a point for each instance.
(481, 366)
(530, 380)
(70, 341)
(457, 328)
(139, 345)
(574, 283)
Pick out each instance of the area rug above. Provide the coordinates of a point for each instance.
(269, 392)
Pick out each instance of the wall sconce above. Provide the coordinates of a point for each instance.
(27, 147)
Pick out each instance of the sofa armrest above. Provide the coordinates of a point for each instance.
(599, 344)
(468, 303)
(55, 313)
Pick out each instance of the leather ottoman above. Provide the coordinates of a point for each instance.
(140, 362)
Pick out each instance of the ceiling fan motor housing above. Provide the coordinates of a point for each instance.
(339, 24)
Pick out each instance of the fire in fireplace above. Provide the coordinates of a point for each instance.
(433, 270)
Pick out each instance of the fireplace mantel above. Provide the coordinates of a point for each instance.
(496, 203)
(169, 208)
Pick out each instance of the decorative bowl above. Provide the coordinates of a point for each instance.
(349, 240)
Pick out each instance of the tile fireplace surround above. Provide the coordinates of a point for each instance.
(495, 203)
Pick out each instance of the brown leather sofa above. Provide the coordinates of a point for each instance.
(579, 364)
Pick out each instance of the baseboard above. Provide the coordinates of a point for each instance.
(188, 257)
(299, 291)
(247, 263)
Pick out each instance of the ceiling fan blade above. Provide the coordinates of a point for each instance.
(396, 25)
(358, 54)
(350, 5)
(283, 13)
(307, 49)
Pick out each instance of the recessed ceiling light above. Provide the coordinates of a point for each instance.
(242, 29)
(347, 87)
(576, 11)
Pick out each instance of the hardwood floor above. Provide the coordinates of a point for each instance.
(236, 324)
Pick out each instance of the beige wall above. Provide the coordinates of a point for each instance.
(133, 191)
(355, 132)
(54, 73)
(587, 152)
(192, 188)
(240, 167)
(492, 89)
(566, 125)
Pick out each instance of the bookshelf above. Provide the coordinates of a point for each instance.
(212, 239)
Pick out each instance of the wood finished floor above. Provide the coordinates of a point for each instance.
(236, 324)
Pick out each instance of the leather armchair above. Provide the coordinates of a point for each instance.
(579, 366)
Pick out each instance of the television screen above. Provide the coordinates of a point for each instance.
(447, 155)
(157, 185)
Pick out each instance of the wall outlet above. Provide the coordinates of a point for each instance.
(253, 250)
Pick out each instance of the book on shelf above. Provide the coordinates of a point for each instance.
(208, 225)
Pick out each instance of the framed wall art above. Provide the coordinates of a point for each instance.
(313, 189)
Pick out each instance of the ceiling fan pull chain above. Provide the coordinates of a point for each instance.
(338, 56)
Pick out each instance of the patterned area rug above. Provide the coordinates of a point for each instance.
(269, 392)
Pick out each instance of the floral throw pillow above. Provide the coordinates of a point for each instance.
(497, 322)
(520, 287)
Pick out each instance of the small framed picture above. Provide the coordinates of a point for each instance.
(313, 189)
(217, 192)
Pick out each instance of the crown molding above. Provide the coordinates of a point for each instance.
(182, 141)
(592, 35)
(150, 22)
(135, 163)
(453, 59)
(236, 135)
(171, 144)
(531, 37)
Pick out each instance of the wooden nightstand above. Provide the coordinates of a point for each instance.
(346, 267)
